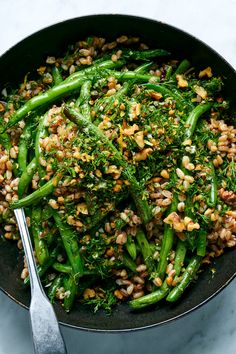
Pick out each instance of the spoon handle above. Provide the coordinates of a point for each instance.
(46, 332)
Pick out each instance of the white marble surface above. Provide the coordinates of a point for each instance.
(210, 329)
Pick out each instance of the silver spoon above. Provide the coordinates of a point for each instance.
(47, 337)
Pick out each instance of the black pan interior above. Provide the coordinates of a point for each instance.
(26, 57)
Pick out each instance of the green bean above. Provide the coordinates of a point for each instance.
(25, 138)
(108, 102)
(41, 133)
(201, 243)
(46, 97)
(131, 75)
(57, 78)
(128, 262)
(144, 54)
(151, 298)
(83, 101)
(136, 190)
(99, 65)
(26, 178)
(67, 269)
(62, 268)
(89, 40)
(40, 245)
(70, 243)
(168, 72)
(56, 284)
(143, 68)
(167, 242)
(73, 82)
(99, 216)
(182, 68)
(36, 196)
(166, 92)
(41, 269)
(214, 188)
(131, 247)
(71, 288)
(46, 212)
(187, 277)
(145, 248)
(179, 257)
(193, 117)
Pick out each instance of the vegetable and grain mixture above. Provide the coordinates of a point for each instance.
(125, 163)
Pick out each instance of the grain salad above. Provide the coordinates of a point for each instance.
(125, 162)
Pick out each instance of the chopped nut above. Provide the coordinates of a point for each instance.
(206, 72)
(169, 280)
(155, 95)
(165, 174)
(121, 239)
(200, 91)
(53, 203)
(51, 60)
(143, 155)
(139, 139)
(82, 208)
(118, 294)
(174, 220)
(229, 197)
(193, 226)
(89, 293)
(130, 130)
(187, 142)
(181, 81)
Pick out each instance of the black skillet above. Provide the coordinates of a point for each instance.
(30, 54)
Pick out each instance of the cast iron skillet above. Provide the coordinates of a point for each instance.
(30, 54)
